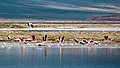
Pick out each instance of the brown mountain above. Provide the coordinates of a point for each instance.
(115, 17)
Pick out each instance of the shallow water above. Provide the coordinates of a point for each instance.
(27, 56)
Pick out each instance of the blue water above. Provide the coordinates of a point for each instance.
(47, 57)
(58, 9)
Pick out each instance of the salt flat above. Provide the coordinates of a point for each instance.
(61, 29)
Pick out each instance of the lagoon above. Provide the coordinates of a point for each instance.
(17, 55)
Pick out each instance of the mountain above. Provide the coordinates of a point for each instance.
(115, 17)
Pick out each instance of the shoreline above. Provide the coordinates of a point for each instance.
(59, 25)
(61, 21)
(52, 36)
(52, 42)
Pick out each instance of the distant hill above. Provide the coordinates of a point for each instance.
(115, 17)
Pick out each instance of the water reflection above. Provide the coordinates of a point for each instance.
(59, 57)
(31, 61)
(45, 53)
